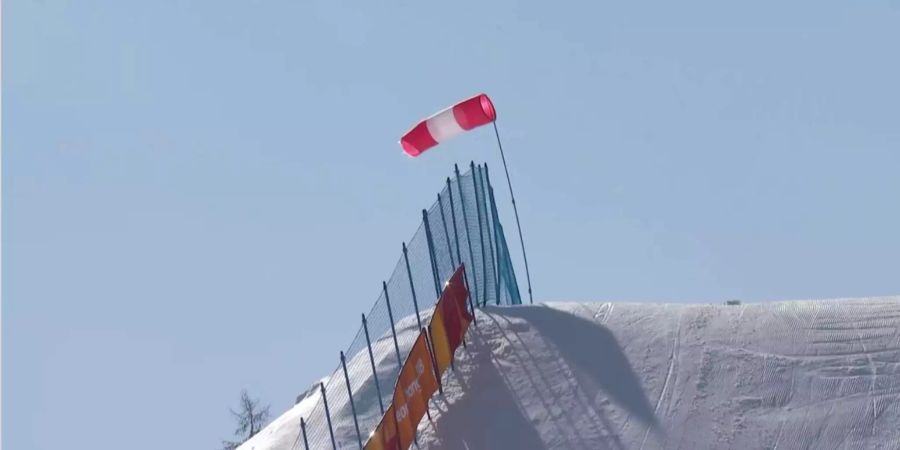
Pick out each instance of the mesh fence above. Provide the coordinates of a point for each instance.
(462, 226)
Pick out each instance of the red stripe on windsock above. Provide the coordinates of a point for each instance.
(417, 140)
(474, 112)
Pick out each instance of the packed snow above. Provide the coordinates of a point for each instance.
(785, 375)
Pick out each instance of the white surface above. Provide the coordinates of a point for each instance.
(808, 374)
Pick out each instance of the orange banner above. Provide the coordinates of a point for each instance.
(415, 386)
(385, 435)
(450, 320)
(416, 383)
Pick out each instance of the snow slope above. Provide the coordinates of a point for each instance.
(789, 375)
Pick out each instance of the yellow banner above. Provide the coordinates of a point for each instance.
(450, 320)
(442, 354)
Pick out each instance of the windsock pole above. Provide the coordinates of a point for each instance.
(515, 211)
(454, 120)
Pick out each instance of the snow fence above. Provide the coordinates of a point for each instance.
(461, 227)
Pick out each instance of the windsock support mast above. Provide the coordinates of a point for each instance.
(515, 210)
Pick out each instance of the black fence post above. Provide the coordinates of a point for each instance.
(412, 288)
(424, 331)
(352, 403)
(496, 219)
(365, 325)
(327, 415)
(446, 233)
(462, 202)
(480, 232)
(496, 230)
(434, 271)
(488, 220)
(498, 234)
(387, 300)
(456, 239)
(434, 367)
(453, 219)
(303, 430)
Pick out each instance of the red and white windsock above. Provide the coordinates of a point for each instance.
(463, 116)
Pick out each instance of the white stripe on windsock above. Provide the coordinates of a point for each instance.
(443, 125)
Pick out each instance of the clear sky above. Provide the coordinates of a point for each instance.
(202, 196)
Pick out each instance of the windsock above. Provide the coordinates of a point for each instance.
(463, 116)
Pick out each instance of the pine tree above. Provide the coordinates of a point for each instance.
(251, 417)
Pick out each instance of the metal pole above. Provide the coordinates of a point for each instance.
(387, 300)
(456, 239)
(446, 233)
(462, 201)
(480, 233)
(352, 403)
(499, 235)
(495, 221)
(434, 367)
(491, 228)
(515, 210)
(453, 219)
(303, 429)
(328, 415)
(498, 230)
(469, 297)
(430, 354)
(411, 287)
(365, 324)
(434, 272)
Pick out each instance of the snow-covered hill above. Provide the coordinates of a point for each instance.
(802, 374)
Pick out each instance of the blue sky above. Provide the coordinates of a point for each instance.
(200, 197)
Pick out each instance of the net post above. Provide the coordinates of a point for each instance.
(303, 431)
(412, 288)
(365, 325)
(387, 300)
(497, 230)
(456, 239)
(478, 200)
(434, 367)
(350, 393)
(498, 235)
(327, 415)
(430, 355)
(434, 273)
(453, 219)
(446, 233)
(488, 219)
(462, 202)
